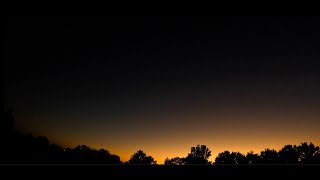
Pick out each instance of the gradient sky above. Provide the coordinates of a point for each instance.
(165, 83)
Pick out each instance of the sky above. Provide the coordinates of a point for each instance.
(165, 83)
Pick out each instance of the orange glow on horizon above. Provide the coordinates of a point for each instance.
(180, 148)
(174, 137)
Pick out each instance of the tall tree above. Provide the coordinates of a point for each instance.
(269, 156)
(198, 155)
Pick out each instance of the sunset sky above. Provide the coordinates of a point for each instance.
(165, 83)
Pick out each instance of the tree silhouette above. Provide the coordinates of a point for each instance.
(198, 155)
(40, 148)
(317, 158)
(230, 158)
(7, 123)
(104, 156)
(55, 153)
(141, 158)
(175, 161)
(224, 158)
(85, 154)
(26, 148)
(289, 154)
(308, 153)
(269, 156)
(239, 158)
(253, 158)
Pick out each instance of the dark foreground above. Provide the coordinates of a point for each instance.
(158, 171)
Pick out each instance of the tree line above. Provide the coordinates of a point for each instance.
(305, 153)
(21, 148)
